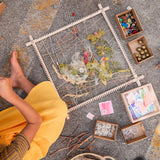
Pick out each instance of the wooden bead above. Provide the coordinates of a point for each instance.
(138, 49)
(143, 47)
(140, 41)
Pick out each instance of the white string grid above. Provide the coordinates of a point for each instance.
(59, 46)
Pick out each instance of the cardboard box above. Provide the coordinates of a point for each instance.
(2, 7)
(105, 130)
(143, 107)
(137, 22)
(133, 133)
(133, 45)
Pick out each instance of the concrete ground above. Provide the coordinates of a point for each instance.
(15, 16)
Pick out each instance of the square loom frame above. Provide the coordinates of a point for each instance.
(100, 11)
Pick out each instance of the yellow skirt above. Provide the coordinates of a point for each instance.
(51, 108)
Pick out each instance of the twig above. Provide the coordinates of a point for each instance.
(84, 133)
(71, 134)
(87, 147)
(52, 154)
(65, 136)
(78, 145)
(79, 140)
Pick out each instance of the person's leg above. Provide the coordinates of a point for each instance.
(17, 76)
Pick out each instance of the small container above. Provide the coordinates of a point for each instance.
(133, 46)
(129, 25)
(133, 133)
(2, 7)
(135, 106)
(107, 130)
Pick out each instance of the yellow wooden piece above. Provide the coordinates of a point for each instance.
(53, 111)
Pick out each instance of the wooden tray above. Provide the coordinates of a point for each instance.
(137, 22)
(156, 103)
(2, 7)
(133, 133)
(106, 137)
(133, 46)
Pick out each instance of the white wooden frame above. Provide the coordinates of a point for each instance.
(100, 11)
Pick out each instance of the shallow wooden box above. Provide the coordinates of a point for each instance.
(133, 46)
(106, 137)
(137, 21)
(2, 7)
(133, 133)
(156, 103)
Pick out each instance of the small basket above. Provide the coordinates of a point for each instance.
(93, 156)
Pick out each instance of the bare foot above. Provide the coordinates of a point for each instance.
(17, 74)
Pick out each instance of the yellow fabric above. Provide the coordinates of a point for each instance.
(53, 111)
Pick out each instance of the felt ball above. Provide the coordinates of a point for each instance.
(133, 20)
(125, 18)
(129, 20)
(134, 31)
(73, 14)
(125, 21)
(77, 34)
(121, 19)
(129, 31)
(128, 24)
(125, 25)
(133, 25)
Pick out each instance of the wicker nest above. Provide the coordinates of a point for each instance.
(91, 156)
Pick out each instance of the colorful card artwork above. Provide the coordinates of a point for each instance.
(140, 102)
(106, 108)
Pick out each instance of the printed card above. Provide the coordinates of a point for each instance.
(106, 108)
